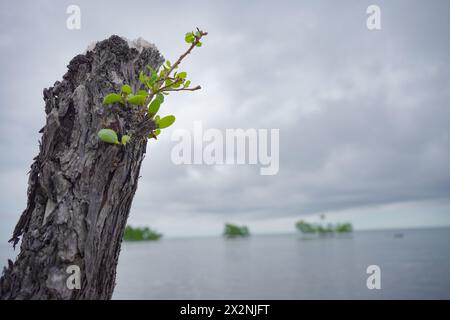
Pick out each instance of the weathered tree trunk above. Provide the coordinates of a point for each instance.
(80, 189)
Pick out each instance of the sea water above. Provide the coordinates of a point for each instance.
(414, 264)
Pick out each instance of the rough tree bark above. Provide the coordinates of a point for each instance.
(80, 189)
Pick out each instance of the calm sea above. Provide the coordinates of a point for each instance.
(415, 264)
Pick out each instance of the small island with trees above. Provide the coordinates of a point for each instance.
(323, 230)
(233, 231)
(140, 234)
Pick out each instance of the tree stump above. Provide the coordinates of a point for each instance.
(80, 189)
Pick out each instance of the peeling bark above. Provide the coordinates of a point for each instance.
(80, 189)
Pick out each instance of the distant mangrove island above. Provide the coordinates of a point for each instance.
(140, 234)
(233, 231)
(328, 229)
(236, 231)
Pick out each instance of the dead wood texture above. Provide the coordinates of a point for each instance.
(80, 189)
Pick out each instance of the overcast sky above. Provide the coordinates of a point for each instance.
(363, 115)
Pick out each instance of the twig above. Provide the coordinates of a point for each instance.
(185, 89)
(194, 43)
(170, 85)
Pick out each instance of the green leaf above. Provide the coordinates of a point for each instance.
(150, 69)
(125, 139)
(155, 134)
(199, 44)
(142, 93)
(157, 118)
(136, 99)
(126, 89)
(154, 107)
(142, 77)
(187, 83)
(166, 122)
(182, 75)
(154, 77)
(160, 97)
(112, 98)
(189, 37)
(168, 63)
(108, 135)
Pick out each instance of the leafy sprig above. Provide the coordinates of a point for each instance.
(157, 83)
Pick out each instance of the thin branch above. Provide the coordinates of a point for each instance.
(196, 41)
(185, 89)
(159, 84)
(170, 85)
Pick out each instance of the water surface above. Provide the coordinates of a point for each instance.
(415, 266)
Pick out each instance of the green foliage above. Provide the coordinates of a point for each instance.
(159, 97)
(126, 89)
(143, 93)
(305, 227)
(189, 37)
(193, 37)
(136, 99)
(153, 107)
(309, 228)
(112, 98)
(154, 134)
(140, 234)
(166, 122)
(344, 228)
(157, 83)
(108, 136)
(232, 231)
(125, 139)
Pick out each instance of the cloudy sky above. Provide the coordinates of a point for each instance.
(363, 115)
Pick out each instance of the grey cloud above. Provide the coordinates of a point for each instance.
(363, 116)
